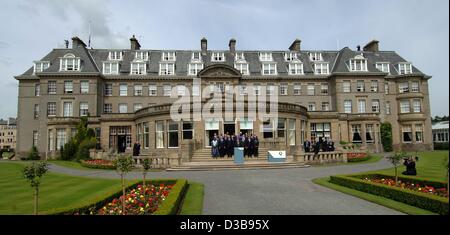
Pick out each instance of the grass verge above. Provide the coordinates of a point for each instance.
(193, 201)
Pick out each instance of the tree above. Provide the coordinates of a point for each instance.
(33, 173)
(386, 136)
(146, 164)
(123, 166)
(395, 160)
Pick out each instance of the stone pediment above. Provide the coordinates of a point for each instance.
(219, 71)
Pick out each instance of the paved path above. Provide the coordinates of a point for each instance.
(274, 191)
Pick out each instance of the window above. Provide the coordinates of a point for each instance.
(414, 86)
(270, 89)
(107, 108)
(138, 68)
(218, 57)
(356, 133)
(36, 111)
(51, 143)
(311, 106)
(404, 106)
(291, 132)
(84, 87)
(37, 90)
(311, 89)
(265, 56)
(417, 106)
(257, 89)
(111, 68)
(325, 106)
(242, 67)
(369, 133)
(141, 55)
(374, 86)
(152, 90)
(67, 109)
(403, 87)
(51, 87)
(51, 109)
(166, 69)
(167, 90)
(290, 56)
(283, 89)
(138, 90)
(108, 89)
(357, 65)
(123, 108)
(407, 133)
(321, 68)
(68, 87)
(388, 107)
(41, 66)
(281, 128)
(297, 89)
(136, 107)
(181, 90)
(239, 56)
(386, 88)
(375, 106)
(295, 69)
(324, 89)
(268, 129)
(360, 86)
(146, 135)
(361, 106)
(84, 109)
(173, 134)
(196, 90)
(419, 132)
(404, 68)
(383, 67)
(60, 138)
(168, 56)
(69, 63)
(35, 138)
(269, 69)
(159, 134)
(194, 68)
(347, 106)
(196, 56)
(115, 55)
(346, 86)
(188, 130)
(315, 56)
(320, 130)
(123, 90)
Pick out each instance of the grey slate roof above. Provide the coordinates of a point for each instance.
(92, 60)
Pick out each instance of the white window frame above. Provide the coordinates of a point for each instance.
(40, 66)
(242, 67)
(167, 90)
(283, 89)
(108, 68)
(239, 56)
(417, 105)
(321, 68)
(403, 87)
(52, 87)
(137, 106)
(115, 55)
(359, 88)
(375, 106)
(152, 90)
(358, 65)
(196, 67)
(348, 106)
(290, 56)
(138, 90)
(361, 106)
(68, 87)
(138, 68)
(167, 69)
(168, 56)
(388, 107)
(265, 56)
(415, 86)
(141, 55)
(295, 69)
(297, 89)
(83, 88)
(69, 111)
(404, 68)
(324, 89)
(84, 109)
(123, 92)
(272, 67)
(315, 56)
(374, 86)
(217, 57)
(310, 91)
(345, 85)
(123, 108)
(383, 67)
(405, 106)
(199, 59)
(107, 108)
(312, 106)
(69, 63)
(326, 106)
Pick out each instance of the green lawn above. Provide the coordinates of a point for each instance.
(78, 166)
(193, 201)
(373, 158)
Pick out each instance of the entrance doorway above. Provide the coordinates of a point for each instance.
(209, 136)
(121, 143)
(229, 128)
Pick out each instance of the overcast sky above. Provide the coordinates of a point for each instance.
(417, 29)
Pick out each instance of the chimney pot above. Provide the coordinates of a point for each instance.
(204, 45)
(134, 44)
(358, 48)
(232, 45)
(295, 46)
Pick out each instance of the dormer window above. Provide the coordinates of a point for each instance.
(166, 68)
(239, 56)
(141, 55)
(138, 68)
(315, 56)
(111, 68)
(404, 68)
(242, 67)
(196, 56)
(69, 63)
(290, 56)
(383, 67)
(269, 69)
(321, 68)
(168, 56)
(194, 68)
(357, 64)
(265, 56)
(115, 55)
(218, 57)
(40, 66)
(295, 68)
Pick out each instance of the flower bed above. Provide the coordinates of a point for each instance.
(138, 201)
(98, 164)
(357, 157)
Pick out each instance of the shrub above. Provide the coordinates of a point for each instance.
(84, 147)
(386, 136)
(69, 150)
(428, 202)
(33, 154)
(359, 159)
(441, 146)
(98, 164)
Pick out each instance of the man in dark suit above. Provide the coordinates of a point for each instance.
(136, 149)
(230, 146)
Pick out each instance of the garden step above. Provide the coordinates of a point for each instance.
(206, 166)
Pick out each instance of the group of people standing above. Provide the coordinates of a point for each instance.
(319, 144)
(222, 145)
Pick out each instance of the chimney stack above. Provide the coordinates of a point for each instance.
(232, 45)
(77, 42)
(372, 46)
(358, 48)
(134, 44)
(295, 46)
(204, 45)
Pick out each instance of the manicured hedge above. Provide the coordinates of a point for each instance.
(441, 146)
(434, 184)
(97, 166)
(169, 206)
(428, 202)
(358, 159)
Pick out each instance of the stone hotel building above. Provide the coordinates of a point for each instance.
(126, 93)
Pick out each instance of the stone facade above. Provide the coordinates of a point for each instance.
(8, 132)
